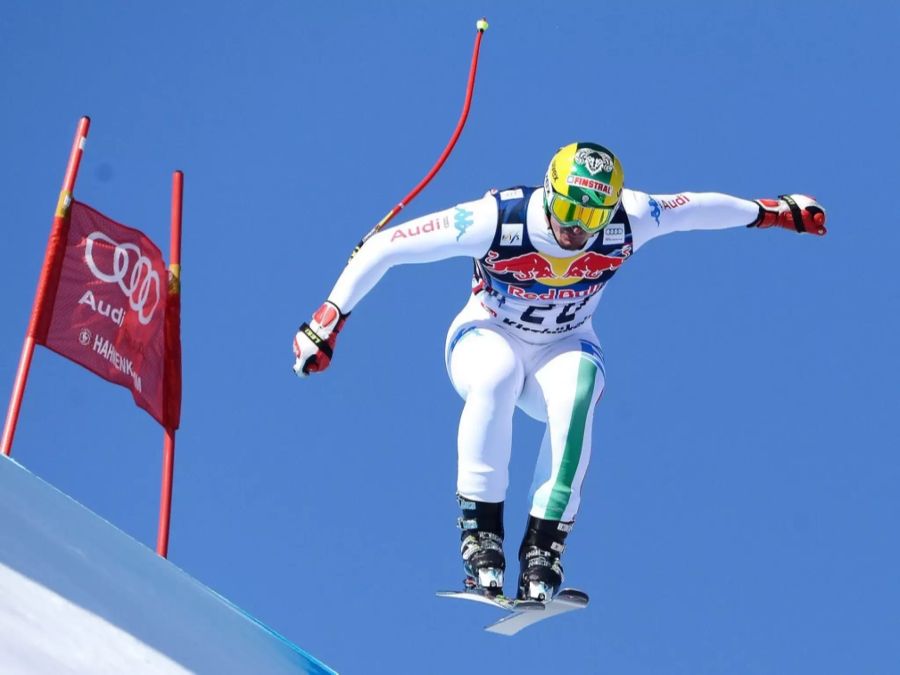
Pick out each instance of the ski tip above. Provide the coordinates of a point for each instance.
(573, 596)
(448, 594)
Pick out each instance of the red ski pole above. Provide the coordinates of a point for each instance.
(481, 25)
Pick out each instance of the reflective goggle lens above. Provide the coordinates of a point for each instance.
(588, 218)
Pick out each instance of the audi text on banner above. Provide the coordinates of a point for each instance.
(108, 311)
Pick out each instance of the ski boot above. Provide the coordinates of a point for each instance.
(482, 544)
(541, 570)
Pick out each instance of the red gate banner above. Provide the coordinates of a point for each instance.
(108, 311)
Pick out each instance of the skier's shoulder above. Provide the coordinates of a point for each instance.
(480, 204)
(472, 224)
(637, 204)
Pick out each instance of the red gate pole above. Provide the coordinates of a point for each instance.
(54, 249)
(165, 501)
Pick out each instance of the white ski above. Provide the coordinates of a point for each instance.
(523, 613)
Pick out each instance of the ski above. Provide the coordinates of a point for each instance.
(522, 613)
(567, 600)
(499, 601)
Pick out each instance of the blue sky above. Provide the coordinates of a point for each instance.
(740, 511)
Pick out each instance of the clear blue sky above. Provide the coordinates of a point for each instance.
(740, 512)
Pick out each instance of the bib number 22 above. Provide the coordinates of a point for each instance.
(537, 313)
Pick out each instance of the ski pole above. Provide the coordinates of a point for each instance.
(481, 25)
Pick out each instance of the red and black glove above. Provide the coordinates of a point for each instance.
(314, 342)
(792, 212)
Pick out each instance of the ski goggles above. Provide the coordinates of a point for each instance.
(569, 213)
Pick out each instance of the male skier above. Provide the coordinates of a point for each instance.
(524, 339)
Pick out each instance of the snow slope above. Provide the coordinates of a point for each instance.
(79, 596)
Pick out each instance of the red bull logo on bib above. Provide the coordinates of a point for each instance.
(552, 271)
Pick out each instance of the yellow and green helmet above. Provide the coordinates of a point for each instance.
(583, 186)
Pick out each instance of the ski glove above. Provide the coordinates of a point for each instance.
(792, 212)
(314, 342)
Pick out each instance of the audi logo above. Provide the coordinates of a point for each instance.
(138, 286)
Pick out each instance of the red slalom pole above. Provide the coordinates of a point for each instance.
(165, 498)
(481, 26)
(168, 472)
(52, 258)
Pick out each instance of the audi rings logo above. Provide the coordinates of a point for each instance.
(132, 271)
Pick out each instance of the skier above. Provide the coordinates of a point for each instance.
(543, 256)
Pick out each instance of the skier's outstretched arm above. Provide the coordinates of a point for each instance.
(466, 229)
(656, 215)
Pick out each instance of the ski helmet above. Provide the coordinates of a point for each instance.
(583, 186)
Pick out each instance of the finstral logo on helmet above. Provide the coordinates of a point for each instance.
(594, 161)
(589, 184)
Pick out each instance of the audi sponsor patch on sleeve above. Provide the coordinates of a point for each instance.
(675, 202)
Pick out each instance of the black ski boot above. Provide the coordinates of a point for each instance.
(541, 570)
(482, 544)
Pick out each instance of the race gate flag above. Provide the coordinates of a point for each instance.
(107, 307)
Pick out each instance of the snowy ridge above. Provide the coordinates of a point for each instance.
(78, 595)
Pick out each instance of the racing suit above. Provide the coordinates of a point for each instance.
(524, 338)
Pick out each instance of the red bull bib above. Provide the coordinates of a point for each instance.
(540, 294)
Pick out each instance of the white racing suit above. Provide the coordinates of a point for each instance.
(525, 336)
